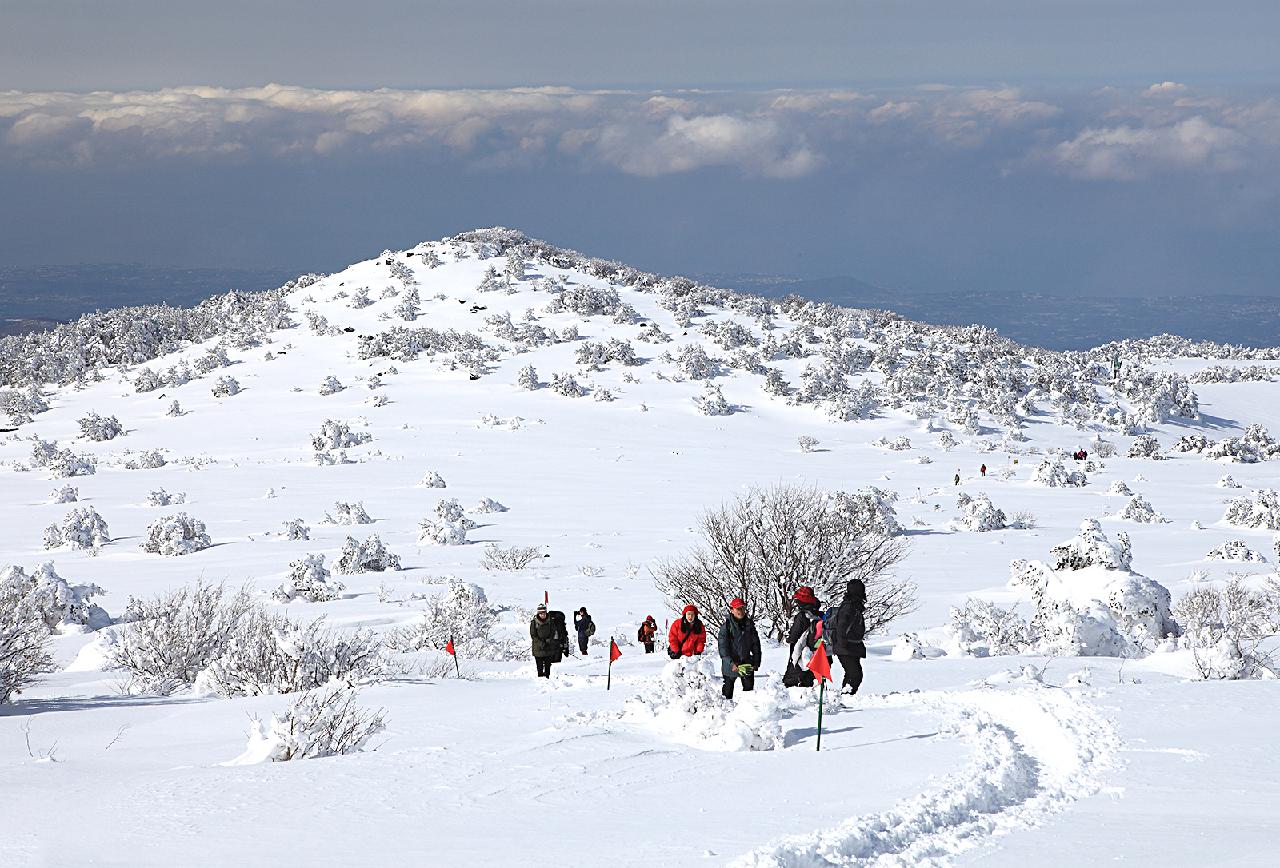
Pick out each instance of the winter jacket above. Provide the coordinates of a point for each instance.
(687, 639)
(738, 642)
(648, 630)
(546, 639)
(806, 615)
(584, 625)
(850, 628)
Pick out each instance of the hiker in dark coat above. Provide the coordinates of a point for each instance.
(848, 632)
(802, 638)
(585, 626)
(647, 634)
(547, 641)
(739, 645)
(687, 636)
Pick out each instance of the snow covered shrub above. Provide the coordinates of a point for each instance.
(693, 362)
(1231, 631)
(1119, 487)
(410, 306)
(295, 530)
(528, 378)
(509, 559)
(320, 723)
(1053, 473)
(370, 556)
(62, 463)
(442, 532)
(1145, 446)
(1091, 548)
(149, 459)
(774, 384)
(81, 528)
(1139, 509)
(1228, 481)
(860, 402)
(266, 653)
(768, 542)
(175, 409)
(981, 628)
(896, 444)
(160, 497)
(806, 443)
(1233, 550)
(565, 384)
(309, 580)
(488, 505)
(712, 403)
(24, 635)
(585, 300)
(176, 535)
(432, 479)
(60, 604)
(460, 614)
(337, 435)
(225, 387)
(360, 298)
(947, 441)
(330, 385)
(685, 703)
(1191, 443)
(95, 427)
(979, 514)
(170, 638)
(347, 513)
(65, 494)
(1102, 448)
(1263, 511)
(593, 356)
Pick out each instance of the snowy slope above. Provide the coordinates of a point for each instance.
(992, 759)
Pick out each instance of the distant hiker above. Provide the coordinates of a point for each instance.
(847, 632)
(739, 646)
(983, 470)
(585, 626)
(647, 633)
(957, 480)
(687, 636)
(548, 637)
(802, 638)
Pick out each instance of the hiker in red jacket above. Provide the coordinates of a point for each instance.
(687, 636)
(983, 470)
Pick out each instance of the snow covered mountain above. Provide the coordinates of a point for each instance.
(510, 422)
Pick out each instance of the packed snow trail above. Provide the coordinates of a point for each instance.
(1036, 750)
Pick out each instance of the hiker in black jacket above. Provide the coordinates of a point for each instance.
(585, 626)
(547, 637)
(739, 645)
(802, 638)
(847, 635)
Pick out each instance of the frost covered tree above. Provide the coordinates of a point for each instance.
(528, 378)
(61, 605)
(1234, 550)
(309, 580)
(1145, 446)
(1262, 511)
(1231, 630)
(979, 514)
(565, 384)
(433, 479)
(460, 614)
(225, 387)
(712, 402)
(64, 494)
(175, 535)
(768, 542)
(510, 559)
(981, 628)
(95, 427)
(370, 556)
(348, 513)
(24, 635)
(1053, 473)
(81, 528)
(330, 385)
(488, 505)
(323, 722)
(295, 529)
(1139, 509)
(337, 435)
(160, 497)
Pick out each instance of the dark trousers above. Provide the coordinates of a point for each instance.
(796, 677)
(648, 647)
(852, 665)
(582, 642)
(748, 683)
(544, 666)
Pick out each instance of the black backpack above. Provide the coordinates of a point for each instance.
(562, 632)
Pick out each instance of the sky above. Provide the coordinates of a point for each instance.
(1116, 147)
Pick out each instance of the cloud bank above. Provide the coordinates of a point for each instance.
(1106, 136)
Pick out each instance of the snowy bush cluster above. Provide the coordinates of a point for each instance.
(1260, 511)
(593, 355)
(1145, 446)
(22, 406)
(160, 497)
(565, 384)
(370, 556)
(309, 580)
(95, 427)
(1053, 472)
(982, 629)
(896, 444)
(402, 344)
(81, 528)
(330, 386)
(64, 494)
(61, 463)
(24, 635)
(1231, 631)
(295, 529)
(347, 513)
(449, 526)
(712, 402)
(320, 723)
(583, 300)
(60, 605)
(225, 387)
(488, 505)
(1233, 550)
(175, 535)
(1225, 374)
(460, 614)
(979, 514)
(510, 559)
(148, 459)
(335, 435)
(1139, 509)
(432, 479)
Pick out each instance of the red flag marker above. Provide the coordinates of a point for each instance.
(614, 653)
(820, 666)
(452, 652)
(546, 598)
(449, 647)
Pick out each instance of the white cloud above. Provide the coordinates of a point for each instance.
(1125, 153)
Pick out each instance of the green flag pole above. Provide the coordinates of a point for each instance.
(822, 690)
(608, 682)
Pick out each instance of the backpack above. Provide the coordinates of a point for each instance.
(562, 632)
(591, 628)
(829, 626)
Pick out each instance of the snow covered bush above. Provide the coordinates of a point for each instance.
(1145, 446)
(170, 638)
(295, 529)
(1120, 488)
(593, 356)
(95, 427)
(1139, 509)
(65, 494)
(1233, 550)
(337, 435)
(460, 614)
(175, 409)
(347, 513)
(1091, 548)
(488, 505)
(768, 542)
(1231, 631)
(806, 443)
(1196, 442)
(309, 580)
(81, 528)
(896, 444)
(693, 362)
(175, 535)
(1228, 481)
(61, 463)
(1102, 448)
(979, 514)
(330, 385)
(981, 628)
(24, 635)
(712, 403)
(320, 723)
(1022, 520)
(528, 378)
(432, 479)
(160, 497)
(440, 531)
(370, 556)
(61, 605)
(509, 559)
(148, 459)
(1263, 511)
(1053, 473)
(225, 387)
(266, 653)
(565, 384)
(684, 703)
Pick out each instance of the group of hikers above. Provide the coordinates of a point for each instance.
(842, 629)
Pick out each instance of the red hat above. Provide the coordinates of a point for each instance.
(736, 603)
(689, 608)
(804, 594)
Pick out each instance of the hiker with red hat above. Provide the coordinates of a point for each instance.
(646, 634)
(802, 638)
(739, 646)
(687, 636)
